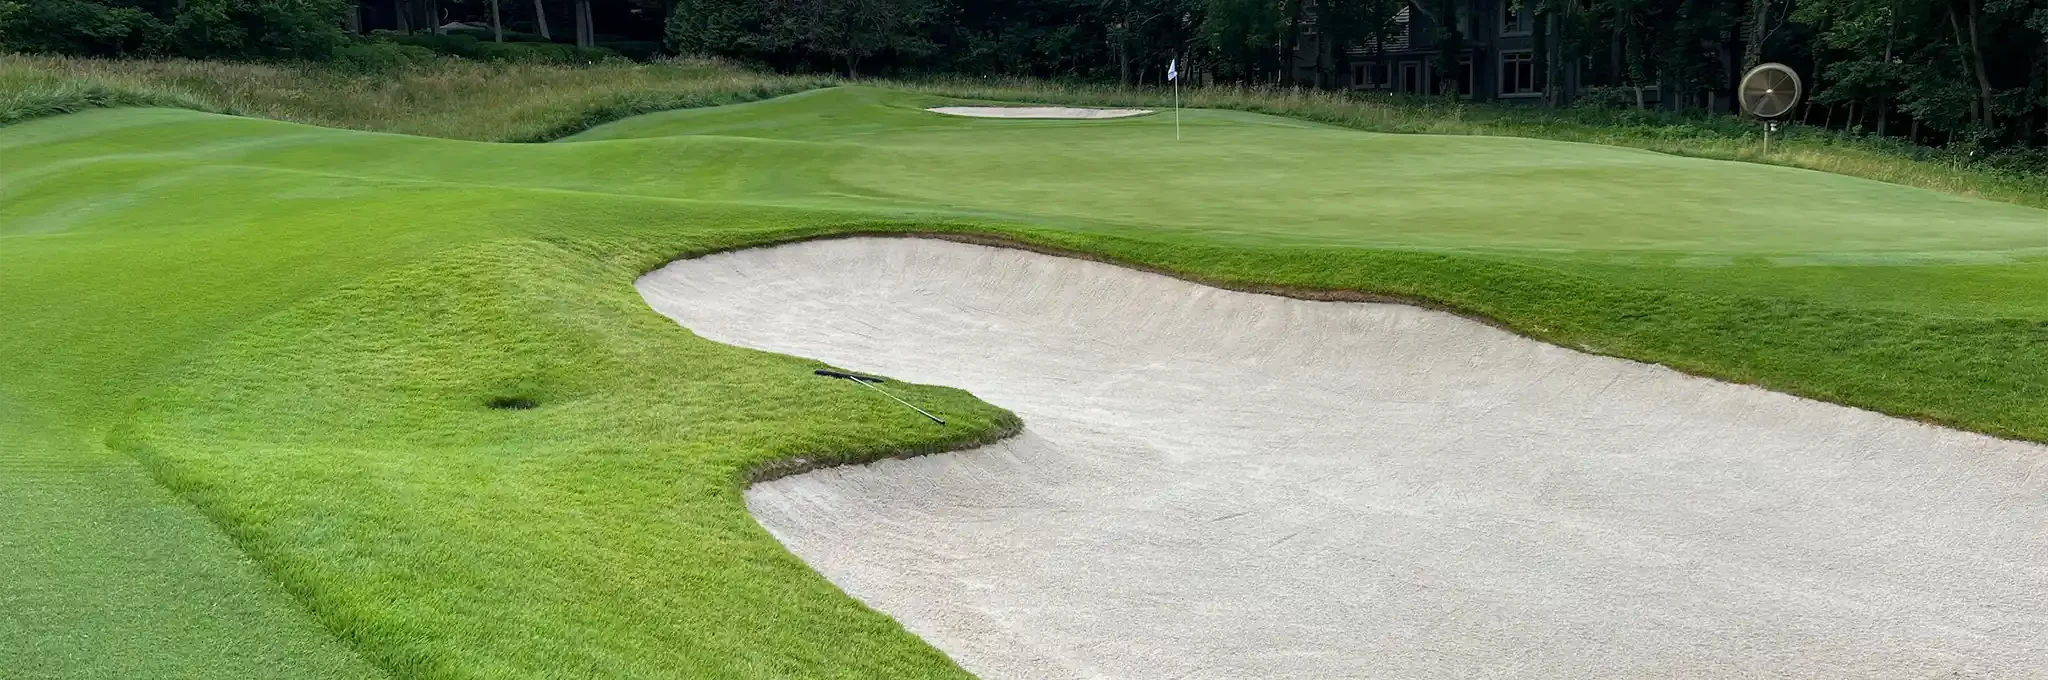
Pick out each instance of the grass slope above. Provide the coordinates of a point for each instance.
(298, 329)
(454, 98)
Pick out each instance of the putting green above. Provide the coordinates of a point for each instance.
(296, 331)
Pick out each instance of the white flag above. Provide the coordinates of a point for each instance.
(1173, 70)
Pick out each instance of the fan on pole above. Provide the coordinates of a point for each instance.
(1769, 91)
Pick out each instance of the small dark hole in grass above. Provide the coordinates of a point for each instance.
(511, 403)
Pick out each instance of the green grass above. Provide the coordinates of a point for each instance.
(296, 330)
(459, 99)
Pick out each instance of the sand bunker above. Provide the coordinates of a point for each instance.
(1036, 112)
(1215, 484)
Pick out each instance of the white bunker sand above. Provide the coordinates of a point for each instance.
(1035, 112)
(1214, 484)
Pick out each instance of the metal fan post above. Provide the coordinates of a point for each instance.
(1767, 92)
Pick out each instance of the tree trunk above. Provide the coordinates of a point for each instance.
(1539, 54)
(1316, 67)
(586, 34)
(1291, 45)
(497, 27)
(1891, 33)
(403, 15)
(433, 11)
(1753, 51)
(540, 20)
(1980, 110)
(1977, 53)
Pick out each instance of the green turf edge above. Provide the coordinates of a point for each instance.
(1816, 361)
(219, 503)
(1830, 358)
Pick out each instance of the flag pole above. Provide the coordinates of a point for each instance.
(1175, 69)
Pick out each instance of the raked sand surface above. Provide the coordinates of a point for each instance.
(1215, 484)
(1036, 112)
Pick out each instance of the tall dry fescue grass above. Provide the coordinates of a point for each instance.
(451, 98)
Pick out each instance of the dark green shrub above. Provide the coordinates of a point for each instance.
(259, 29)
(1606, 98)
(452, 44)
(465, 44)
(80, 28)
(541, 53)
(484, 35)
(522, 52)
(2018, 162)
(373, 57)
(636, 50)
(722, 28)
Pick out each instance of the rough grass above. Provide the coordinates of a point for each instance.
(451, 98)
(300, 331)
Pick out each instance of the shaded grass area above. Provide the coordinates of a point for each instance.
(302, 332)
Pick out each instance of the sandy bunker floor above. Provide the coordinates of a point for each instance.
(1215, 484)
(1035, 112)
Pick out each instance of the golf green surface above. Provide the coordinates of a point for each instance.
(244, 410)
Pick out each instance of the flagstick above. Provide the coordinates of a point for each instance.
(1176, 105)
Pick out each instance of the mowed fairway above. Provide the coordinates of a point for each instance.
(244, 428)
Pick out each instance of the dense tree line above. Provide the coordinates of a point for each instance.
(1967, 70)
(1944, 70)
(1953, 70)
(237, 29)
(308, 29)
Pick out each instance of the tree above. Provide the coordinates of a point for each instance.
(1348, 23)
(850, 30)
(540, 19)
(1244, 34)
(259, 29)
(1448, 18)
(586, 31)
(724, 28)
(1143, 32)
(81, 28)
(497, 26)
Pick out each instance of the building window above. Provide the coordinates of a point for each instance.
(1465, 81)
(1518, 74)
(1511, 22)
